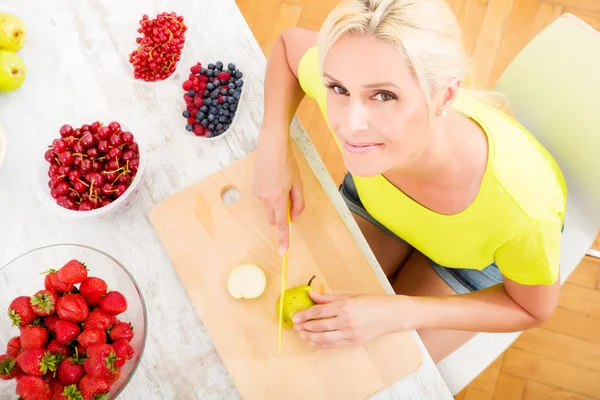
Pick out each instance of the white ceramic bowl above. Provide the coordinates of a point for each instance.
(239, 104)
(125, 25)
(40, 185)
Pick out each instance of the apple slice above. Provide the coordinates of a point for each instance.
(246, 281)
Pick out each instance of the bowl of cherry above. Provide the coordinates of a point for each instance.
(90, 170)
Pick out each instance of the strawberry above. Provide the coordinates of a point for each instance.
(20, 311)
(91, 387)
(66, 331)
(71, 370)
(92, 289)
(112, 378)
(50, 322)
(73, 272)
(114, 303)
(98, 319)
(69, 393)
(57, 348)
(9, 369)
(123, 350)
(52, 283)
(37, 361)
(33, 388)
(90, 337)
(72, 308)
(44, 302)
(121, 330)
(101, 360)
(56, 388)
(33, 337)
(13, 348)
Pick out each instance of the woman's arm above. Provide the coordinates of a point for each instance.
(507, 307)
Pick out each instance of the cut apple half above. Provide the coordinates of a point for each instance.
(246, 281)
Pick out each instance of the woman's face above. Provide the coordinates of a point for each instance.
(375, 107)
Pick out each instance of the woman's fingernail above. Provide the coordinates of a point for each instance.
(295, 319)
(281, 250)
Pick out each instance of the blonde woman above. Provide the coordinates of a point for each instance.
(462, 207)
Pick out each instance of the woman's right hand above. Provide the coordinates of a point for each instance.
(276, 181)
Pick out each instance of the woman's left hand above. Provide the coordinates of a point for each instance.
(347, 320)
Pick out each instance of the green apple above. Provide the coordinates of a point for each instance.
(12, 32)
(12, 71)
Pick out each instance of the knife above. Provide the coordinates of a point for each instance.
(284, 279)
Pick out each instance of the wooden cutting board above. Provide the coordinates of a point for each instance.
(205, 237)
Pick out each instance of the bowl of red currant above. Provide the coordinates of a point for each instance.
(90, 170)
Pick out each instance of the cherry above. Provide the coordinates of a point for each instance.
(111, 176)
(77, 162)
(75, 175)
(66, 157)
(54, 180)
(70, 141)
(53, 170)
(77, 134)
(121, 189)
(85, 128)
(86, 206)
(86, 165)
(108, 189)
(127, 137)
(54, 194)
(64, 170)
(49, 155)
(87, 140)
(134, 147)
(95, 126)
(62, 188)
(104, 132)
(92, 152)
(125, 178)
(116, 140)
(96, 179)
(103, 146)
(66, 130)
(114, 153)
(114, 127)
(112, 165)
(134, 164)
(97, 166)
(59, 146)
(79, 186)
(79, 148)
(129, 155)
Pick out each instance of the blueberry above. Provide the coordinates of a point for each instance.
(204, 122)
(192, 93)
(198, 120)
(204, 109)
(231, 100)
(230, 91)
(225, 105)
(224, 92)
(186, 114)
(213, 110)
(226, 112)
(231, 85)
(222, 119)
(219, 127)
(211, 127)
(217, 82)
(239, 83)
(225, 127)
(231, 66)
(210, 86)
(203, 71)
(233, 107)
(238, 74)
(236, 95)
(211, 117)
(206, 92)
(214, 95)
(219, 65)
(200, 114)
(189, 127)
(211, 66)
(209, 72)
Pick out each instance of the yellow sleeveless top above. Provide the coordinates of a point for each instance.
(516, 218)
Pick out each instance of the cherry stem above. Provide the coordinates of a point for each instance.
(83, 182)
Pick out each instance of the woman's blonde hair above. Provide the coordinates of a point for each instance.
(425, 31)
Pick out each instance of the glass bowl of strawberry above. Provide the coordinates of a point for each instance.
(75, 322)
(91, 169)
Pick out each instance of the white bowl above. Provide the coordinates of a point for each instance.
(125, 25)
(239, 103)
(3, 145)
(41, 189)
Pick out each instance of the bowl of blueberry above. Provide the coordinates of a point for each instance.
(212, 94)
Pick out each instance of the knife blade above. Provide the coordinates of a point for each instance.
(284, 280)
